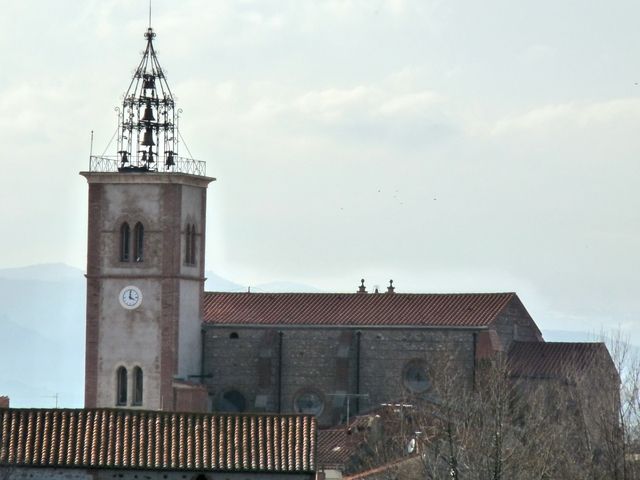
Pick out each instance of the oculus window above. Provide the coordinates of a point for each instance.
(231, 401)
(415, 377)
(308, 402)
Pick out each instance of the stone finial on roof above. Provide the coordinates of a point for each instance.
(391, 288)
(362, 288)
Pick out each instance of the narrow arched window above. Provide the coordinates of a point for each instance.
(187, 245)
(125, 242)
(192, 250)
(137, 386)
(138, 242)
(121, 386)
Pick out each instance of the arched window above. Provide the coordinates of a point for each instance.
(138, 242)
(125, 242)
(121, 386)
(187, 245)
(234, 335)
(190, 245)
(137, 386)
(192, 250)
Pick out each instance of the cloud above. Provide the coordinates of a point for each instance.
(335, 104)
(555, 117)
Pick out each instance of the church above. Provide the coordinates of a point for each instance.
(252, 364)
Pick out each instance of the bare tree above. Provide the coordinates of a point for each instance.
(505, 427)
(580, 420)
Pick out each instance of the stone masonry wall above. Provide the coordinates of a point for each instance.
(515, 324)
(324, 362)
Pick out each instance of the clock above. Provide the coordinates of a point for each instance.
(130, 297)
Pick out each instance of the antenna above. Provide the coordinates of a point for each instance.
(349, 396)
(149, 13)
(56, 396)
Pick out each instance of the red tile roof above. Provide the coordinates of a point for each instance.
(413, 464)
(335, 447)
(108, 438)
(383, 309)
(549, 359)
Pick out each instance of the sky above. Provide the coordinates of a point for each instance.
(451, 146)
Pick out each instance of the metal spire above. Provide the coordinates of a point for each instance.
(147, 133)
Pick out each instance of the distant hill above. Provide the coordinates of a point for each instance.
(42, 310)
(215, 283)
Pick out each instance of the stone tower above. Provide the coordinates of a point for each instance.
(145, 261)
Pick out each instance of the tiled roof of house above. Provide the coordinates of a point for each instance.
(404, 467)
(382, 309)
(547, 359)
(109, 438)
(335, 447)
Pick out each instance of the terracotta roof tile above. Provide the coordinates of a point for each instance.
(109, 438)
(549, 359)
(335, 447)
(412, 462)
(383, 309)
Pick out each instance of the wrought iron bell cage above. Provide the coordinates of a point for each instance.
(148, 120)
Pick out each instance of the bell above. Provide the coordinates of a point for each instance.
(124, 157)
(149, 82)
(148, 114)
(169, 162)
(147, 140)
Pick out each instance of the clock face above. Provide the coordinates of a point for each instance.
(130, 297)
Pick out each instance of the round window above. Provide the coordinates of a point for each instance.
(415, 377)
(231, 401)
(308, 402)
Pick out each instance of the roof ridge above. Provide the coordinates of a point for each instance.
(155, 412)
(369, 294)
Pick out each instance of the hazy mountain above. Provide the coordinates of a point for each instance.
(284, 287)
(43, 272)
(42, 310)
(216, 283)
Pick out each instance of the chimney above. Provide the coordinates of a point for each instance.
(362, 288)
(390, 288)
(4, 402)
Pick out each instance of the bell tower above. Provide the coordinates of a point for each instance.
(145, 257)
